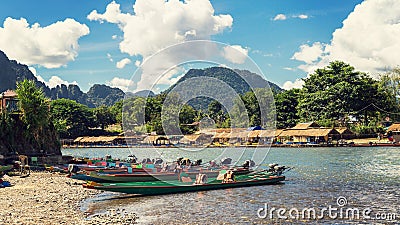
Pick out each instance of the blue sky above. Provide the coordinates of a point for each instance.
(286, 47)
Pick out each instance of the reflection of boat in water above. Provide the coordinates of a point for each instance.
(171, 187)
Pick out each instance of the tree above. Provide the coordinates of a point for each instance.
(187, 115)
(71, 118)
(103, 116)
(116, 111)
(39, 130)
(337, 91)
(34, 106)
(389, 85)
(286, 111)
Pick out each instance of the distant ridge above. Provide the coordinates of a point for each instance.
(241, 81)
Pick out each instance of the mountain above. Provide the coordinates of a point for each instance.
(100, 94)
(241, 81)
(256, 81)
(11, 72)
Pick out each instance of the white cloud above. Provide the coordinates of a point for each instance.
(301, 16)
(309, 54)
(114, 37)
(52, 46)
(33, 70)
(235, 53)
(137, 63)
(123, 62)
(121, 83)
(298, 83)
(109, 57)
(158, 24)
(280, 17)
(289, 68)
(172, 76)
(368, 40)
(55, 80)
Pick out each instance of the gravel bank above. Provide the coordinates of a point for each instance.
(47, 198)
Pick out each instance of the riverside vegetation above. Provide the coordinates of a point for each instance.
(336, 95)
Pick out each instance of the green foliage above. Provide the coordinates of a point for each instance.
(71, 118)
(286, 103)
(334, 92)
(116, 111)
(30, 132)
(103, 116)
(33, 104)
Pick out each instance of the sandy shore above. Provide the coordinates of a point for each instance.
(48, 198)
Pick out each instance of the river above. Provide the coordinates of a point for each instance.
(364, 179)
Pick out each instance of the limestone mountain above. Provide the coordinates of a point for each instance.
(241, 81)
(11, 72)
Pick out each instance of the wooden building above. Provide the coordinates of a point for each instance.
(9, 101)
(311, 135)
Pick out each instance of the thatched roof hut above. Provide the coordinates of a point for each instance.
(310, 135)
(394, 127)
(302, 126)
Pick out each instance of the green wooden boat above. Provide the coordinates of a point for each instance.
(172, 187)
(144, 177)
(160, 176)
(5, 168)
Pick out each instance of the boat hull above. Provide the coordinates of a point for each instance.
(161, 188)
(144, 177)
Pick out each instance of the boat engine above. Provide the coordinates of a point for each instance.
(226, 161)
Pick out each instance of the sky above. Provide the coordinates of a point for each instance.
(105, 42)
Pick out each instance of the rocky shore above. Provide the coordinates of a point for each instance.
(48, 198)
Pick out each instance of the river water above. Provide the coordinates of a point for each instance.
(340, 179)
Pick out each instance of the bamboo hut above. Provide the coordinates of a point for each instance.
(312, 135)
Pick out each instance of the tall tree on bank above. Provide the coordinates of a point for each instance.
(286, 112)
(389, 84)
(338, 91)
(35, 115)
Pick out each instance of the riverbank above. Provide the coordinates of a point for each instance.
(47, 198)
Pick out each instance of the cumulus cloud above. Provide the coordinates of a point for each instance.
(55, 80)
(298, 83)
(52, 46)
(121, 83)
(172, 76)
(309, 54)
(158, 24)
(280, 17)
(38, 77)
(368, 40)
(114, 37)
(123, 62)
(235, 53)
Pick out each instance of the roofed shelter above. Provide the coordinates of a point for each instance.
(302, 126)
(394, 127)
(9, 101)
(345, 133)
(313, 135)
(157, 140)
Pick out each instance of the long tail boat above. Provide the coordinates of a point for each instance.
(143, 177)
(172, 187)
